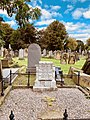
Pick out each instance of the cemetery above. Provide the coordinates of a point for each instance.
(45, 84)
(44, 60)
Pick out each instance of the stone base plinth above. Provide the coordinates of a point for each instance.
(42, 85)
(31, 70)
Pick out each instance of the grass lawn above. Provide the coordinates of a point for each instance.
(22, 79)
(64, 67)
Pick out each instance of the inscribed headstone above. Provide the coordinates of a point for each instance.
(45, 76)
(34, 55)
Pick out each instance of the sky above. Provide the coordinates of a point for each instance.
(74, 14)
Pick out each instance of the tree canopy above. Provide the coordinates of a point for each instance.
(22, 10)
(71, 43)
(54, 36)
(22, 37)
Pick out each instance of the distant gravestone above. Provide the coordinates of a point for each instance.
(34, 55)
(0, 75)
(58, 55)
(25, 52)
(2, 49)
(21, 54)
(86, 66)
(71, 59)
(16, 53)
(44, 52)
(50, 53)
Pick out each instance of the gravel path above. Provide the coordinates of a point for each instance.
(28, 105)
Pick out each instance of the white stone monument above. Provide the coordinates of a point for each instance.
(45, 76)
(21, 54)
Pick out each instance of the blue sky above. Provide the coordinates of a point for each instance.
(74, 14)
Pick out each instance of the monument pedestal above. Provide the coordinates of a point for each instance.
(45, 77)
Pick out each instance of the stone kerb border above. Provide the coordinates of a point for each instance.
(6, 92)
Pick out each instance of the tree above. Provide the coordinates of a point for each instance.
(80, 44)
(22, 37)
(39, 38)
(71, 43)
(5, 34)
(54, 36)
(21, 9)
(88, 41)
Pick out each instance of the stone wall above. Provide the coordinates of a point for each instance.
(83, 80)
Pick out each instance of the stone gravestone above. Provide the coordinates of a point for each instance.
(50, 53)
(34, 55)
(16, 53)
(25, 52)
(0, 74)
(2, 49)
(44, 52)
(21, 54)
(71, 59)
(45, 76)
(58, 55)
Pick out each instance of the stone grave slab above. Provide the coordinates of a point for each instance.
(45, 76)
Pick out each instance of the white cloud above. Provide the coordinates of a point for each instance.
(86, 14)
(44, 22)
(79, 31)
(69, 8)
(11, 23)
(77, 14)
(74, 1)
(55, 7)
(81, 12)
(34, 2)
(45, 14)
(56, 14)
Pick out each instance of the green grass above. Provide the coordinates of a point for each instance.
(22, 79)
(65, 67)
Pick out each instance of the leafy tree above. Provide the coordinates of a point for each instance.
(5, 33)
(80, 44)
(22, 37)
(21, 9)
(15, 40)
(39, 37)
(28, 34)
(54, 36)
(88, 42)
(71, 43)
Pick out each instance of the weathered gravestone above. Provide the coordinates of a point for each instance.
(21, 54)
(50, 53)
(34, 55)
(71, 59)
(16, 53)
(45, 76)
(25, 52)
(58, 55)
(5, 63)
(8, 57)
(86, 66)
(0, 75)
(44, 52)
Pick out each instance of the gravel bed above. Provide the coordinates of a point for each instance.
(29, 105)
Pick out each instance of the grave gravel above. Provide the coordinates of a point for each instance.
(29, 105)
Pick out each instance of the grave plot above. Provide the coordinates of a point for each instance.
(29, 105)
